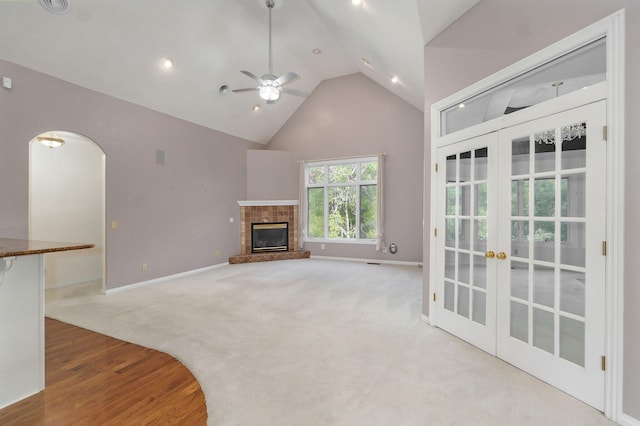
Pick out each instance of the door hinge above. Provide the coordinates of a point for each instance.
(436, 167)
(604, 248)
(434, 297)
(604, 362)
(435, 232)
(605, 133)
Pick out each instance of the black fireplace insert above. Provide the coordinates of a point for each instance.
(273, 236)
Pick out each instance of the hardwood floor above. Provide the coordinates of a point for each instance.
(92, 379)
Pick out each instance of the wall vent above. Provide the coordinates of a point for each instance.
(55, 6)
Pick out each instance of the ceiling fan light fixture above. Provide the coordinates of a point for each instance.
(269, 93)
(357, 2)
(270, 85)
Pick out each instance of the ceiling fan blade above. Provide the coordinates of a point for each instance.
(294, 92)
(287, 78)
(245, 90)
(250, 75)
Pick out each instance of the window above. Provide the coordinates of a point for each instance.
(342, 200)
(573, 71)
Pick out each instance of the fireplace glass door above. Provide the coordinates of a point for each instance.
(267, 237)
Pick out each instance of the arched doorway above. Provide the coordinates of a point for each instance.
(67, 203)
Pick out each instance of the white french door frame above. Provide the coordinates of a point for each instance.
(611, 27)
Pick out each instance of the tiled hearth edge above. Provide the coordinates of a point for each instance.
(264, 211)
(268, 257)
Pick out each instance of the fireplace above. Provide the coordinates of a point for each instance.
(268, 237)
(267, 213)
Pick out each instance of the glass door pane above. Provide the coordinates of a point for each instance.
(466, 210)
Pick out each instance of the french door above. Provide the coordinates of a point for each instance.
(466, 229)
(521, 267)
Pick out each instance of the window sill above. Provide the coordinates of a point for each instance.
(339, 241)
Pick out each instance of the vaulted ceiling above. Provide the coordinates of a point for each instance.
(115, 47)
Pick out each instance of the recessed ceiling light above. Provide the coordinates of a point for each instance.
(316, 51)
(356, 2)
(461, 106)
(166, 63)
(256, 107)
(395, 79)
(364, 61)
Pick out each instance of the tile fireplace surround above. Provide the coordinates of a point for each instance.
(265, 211)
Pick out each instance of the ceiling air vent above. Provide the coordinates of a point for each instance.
(55, 6)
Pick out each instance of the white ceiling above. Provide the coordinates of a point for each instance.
(115, 47)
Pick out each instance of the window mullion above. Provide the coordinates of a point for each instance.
(357, 212)
(326, 202)
(358, 184)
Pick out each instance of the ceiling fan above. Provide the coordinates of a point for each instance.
(269, 85)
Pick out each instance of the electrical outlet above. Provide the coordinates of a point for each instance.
(321, 246)
(144, 267)
(114, 224)
(231, 220)
(218, 252)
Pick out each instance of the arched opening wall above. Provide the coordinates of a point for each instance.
(66, 203)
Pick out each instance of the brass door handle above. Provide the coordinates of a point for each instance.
(502, 255)
(490, 254)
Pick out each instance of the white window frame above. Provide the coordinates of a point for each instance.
(358, 183)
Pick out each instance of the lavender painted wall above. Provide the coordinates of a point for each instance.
(173, 217)
(269, 175)
(497, 33)
(354, 116)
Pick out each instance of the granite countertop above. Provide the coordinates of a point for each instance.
(14, 247)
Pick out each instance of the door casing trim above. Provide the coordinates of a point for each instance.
(613, 28)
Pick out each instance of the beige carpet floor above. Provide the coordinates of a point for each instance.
(317, 342)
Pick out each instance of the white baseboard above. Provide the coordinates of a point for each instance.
(627, 420)
(55, 286)
(162, 279)
(358, 260)
(195, 271)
